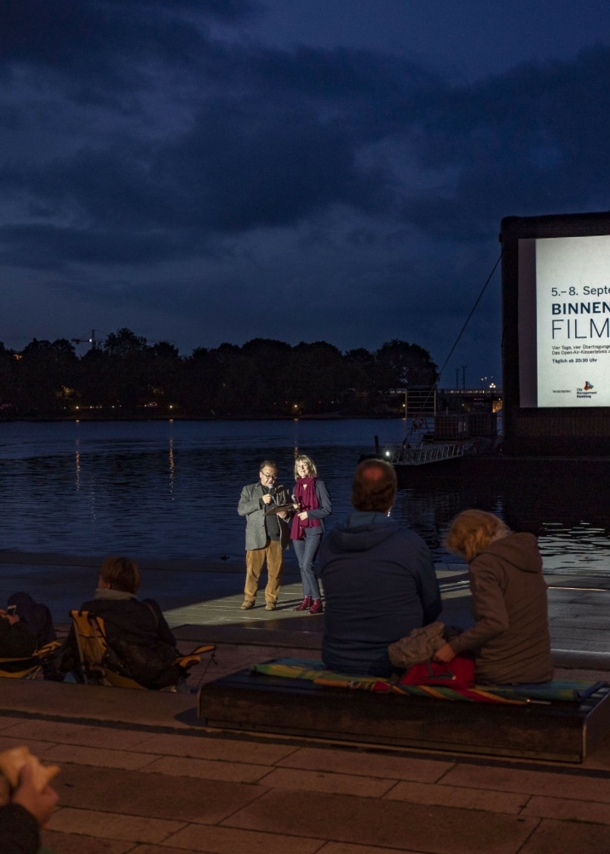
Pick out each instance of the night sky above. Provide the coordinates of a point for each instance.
(203, 171)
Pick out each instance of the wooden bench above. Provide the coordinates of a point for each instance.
(566, 732)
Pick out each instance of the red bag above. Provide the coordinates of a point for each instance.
(458, 674)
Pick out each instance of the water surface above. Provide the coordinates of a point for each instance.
(169, 490)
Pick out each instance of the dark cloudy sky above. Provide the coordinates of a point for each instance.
(217, 170)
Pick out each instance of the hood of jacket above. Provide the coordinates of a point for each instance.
(519, 550)
(362, 531)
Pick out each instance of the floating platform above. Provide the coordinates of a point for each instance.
(560, 731)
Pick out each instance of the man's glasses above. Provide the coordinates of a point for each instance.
(269, 475)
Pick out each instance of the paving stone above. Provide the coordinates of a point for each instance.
(67, 843)
(561, 837)
(391, 824)
(180, 799)
(450, 796)
(367, 764)
(230, 750)
(320, 781)
(98, 757)
(86, 703)
(156, 849)
(112, 826)
(533, 782)
(223, 840)
(343, 848)
(38, 748)
(8, 721)
(69, 733)
(568, 810)
(207, 769)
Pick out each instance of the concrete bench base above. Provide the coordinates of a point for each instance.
(566, 732)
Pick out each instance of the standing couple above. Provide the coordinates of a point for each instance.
(274, 518)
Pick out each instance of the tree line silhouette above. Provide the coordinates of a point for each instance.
(126, 377)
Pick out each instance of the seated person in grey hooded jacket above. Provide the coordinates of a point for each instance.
(510, 638)
(378, 577)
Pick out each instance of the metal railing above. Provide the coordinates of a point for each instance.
(419, 455)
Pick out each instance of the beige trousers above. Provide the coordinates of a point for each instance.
(255, 560)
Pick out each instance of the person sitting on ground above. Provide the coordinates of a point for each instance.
(510, 638)
(25, 626)
(378, 576)
(136, 631)
(27, 811)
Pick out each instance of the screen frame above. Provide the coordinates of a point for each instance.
(518, 309)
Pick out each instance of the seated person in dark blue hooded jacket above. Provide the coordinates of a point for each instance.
(378, 577)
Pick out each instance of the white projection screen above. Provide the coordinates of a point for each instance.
(564, 321)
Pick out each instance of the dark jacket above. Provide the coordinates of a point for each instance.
(379, 585)
(140, 637)
(511, 638)
(131, 620)
(19, 833)
(16, 640)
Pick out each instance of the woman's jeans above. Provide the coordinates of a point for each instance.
(306, 551)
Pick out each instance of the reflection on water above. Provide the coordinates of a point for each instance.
(170, 489)
(163, 489)
(565, 510)
(172, 466)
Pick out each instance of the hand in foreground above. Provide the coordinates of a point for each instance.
(12, 618)
(267, 498)
(444, 654)
(39, 804)
(303, 515)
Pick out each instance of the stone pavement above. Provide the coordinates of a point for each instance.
(136, 790)
(141, 774)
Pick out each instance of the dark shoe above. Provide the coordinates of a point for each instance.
(270, 606)
(316, 607)
(304, 606)
(245, 606)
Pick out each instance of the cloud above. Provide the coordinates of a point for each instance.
(525, 142)
(140, 148)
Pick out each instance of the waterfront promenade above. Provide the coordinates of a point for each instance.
(141, 774)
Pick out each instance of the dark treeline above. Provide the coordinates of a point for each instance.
(125, 376)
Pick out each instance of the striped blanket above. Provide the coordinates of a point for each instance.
(558, 690)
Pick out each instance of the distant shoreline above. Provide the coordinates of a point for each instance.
(147, 418)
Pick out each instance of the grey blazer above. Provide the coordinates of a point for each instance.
(251, 506)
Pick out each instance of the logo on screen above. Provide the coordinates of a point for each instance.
(588, 386)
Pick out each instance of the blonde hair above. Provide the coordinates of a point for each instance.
(303, 458)
(472, 531)
(121, 573)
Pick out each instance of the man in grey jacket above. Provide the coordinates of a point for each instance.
(267, 534)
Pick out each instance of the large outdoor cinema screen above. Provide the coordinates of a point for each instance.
(564, 319)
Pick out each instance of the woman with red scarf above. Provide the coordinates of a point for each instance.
(312, 504)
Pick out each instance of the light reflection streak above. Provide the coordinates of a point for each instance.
(77, 465)
(172, 466)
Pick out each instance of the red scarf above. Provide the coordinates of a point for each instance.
(306, 498)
